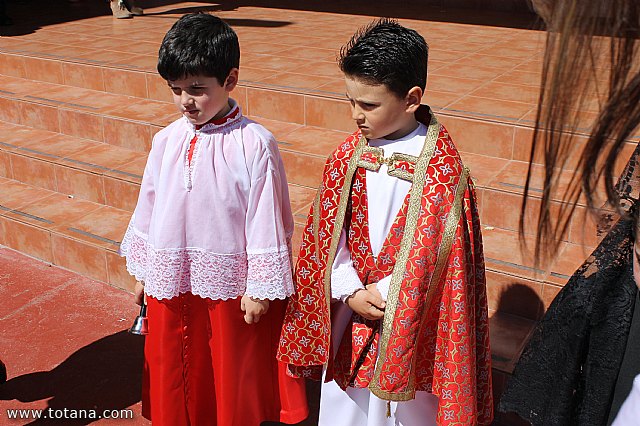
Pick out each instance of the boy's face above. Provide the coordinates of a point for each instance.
(201, 99)
(380, 113)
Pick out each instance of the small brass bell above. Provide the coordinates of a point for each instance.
(140, 323)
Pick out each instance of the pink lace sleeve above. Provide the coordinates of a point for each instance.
(269, 226)
(134, 248)
(269, 275)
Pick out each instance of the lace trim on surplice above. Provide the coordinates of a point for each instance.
(170, 272)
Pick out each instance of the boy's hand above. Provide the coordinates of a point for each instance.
(366, 304)
(138, 293)
(253, 309)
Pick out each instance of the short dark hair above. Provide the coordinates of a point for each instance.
(199, 44)
(385, 52)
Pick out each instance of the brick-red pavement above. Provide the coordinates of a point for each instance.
(63, 338)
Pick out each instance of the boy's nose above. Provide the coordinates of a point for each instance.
(357, 114)
(186, 99)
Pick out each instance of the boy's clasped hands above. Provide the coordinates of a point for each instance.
(367, 302)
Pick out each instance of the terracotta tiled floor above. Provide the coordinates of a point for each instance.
(291, 49)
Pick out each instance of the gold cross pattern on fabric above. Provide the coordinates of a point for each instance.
(398, 165)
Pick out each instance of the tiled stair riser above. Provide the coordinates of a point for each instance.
(118, 188)
(127, 123)
(311, 107)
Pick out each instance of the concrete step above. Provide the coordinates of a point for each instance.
(39, 147)
(79, 235)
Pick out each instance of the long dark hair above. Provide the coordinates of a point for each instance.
(592, 64)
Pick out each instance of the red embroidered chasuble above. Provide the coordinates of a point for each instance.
(354, 363)
(434, 336)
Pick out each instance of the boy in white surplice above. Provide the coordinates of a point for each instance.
(209, 243)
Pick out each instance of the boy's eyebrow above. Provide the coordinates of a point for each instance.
(364, 101)
(194, 85)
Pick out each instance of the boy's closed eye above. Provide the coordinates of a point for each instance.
(196, 90)
(192, 90)
(367, 106)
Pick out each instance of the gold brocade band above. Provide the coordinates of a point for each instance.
(450, 228)
(398, 172)
(443, 255)
(316, 220)
(342, 209)
(378, 153)
(413, 212)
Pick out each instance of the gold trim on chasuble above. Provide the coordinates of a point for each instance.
(316, 219)
(337, 226)
(413, 212)
(443, 255)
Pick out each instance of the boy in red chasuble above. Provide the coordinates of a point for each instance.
(391, 295)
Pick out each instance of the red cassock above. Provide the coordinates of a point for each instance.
(434, 336)
(205, 366)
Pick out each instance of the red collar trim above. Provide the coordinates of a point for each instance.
(231, 115)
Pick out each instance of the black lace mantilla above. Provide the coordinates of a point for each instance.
(567, 373)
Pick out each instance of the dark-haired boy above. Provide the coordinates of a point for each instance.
(208, 242)
(394, 234)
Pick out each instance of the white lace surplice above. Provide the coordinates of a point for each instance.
(219, 228)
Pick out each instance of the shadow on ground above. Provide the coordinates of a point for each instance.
(516, 14)
(31, 15)
(104, 375)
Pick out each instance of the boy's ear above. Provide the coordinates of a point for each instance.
(413, 99)
(232, 80)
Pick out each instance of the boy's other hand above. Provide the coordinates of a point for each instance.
(373, 289)
(366, 304)
(138, 293)
(253, 309)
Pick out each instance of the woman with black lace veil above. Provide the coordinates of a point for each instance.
(579, 365)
